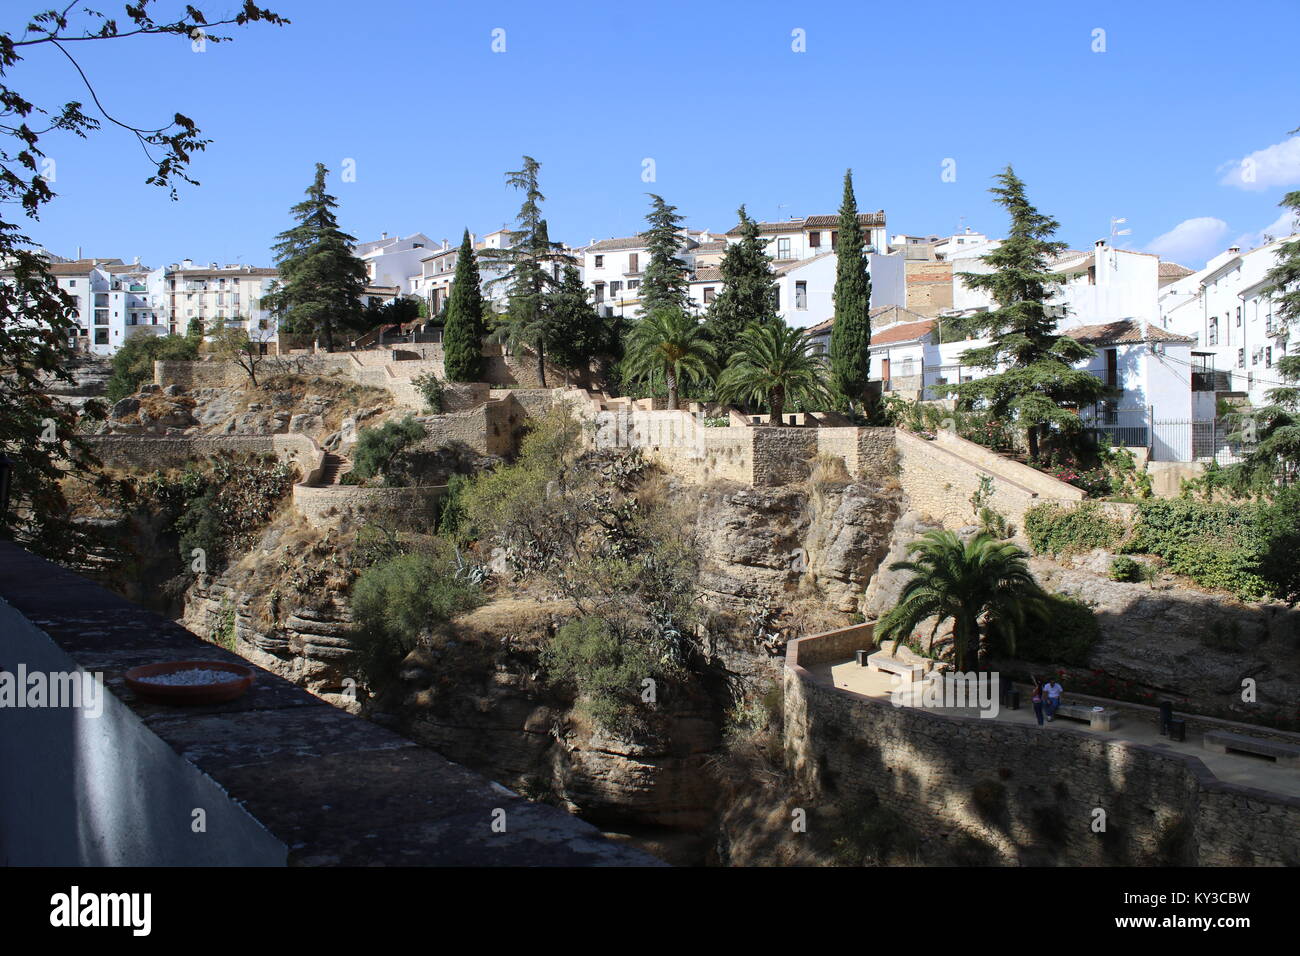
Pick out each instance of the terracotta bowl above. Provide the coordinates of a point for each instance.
(240, 679)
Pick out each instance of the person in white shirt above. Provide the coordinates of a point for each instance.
(1053, 690)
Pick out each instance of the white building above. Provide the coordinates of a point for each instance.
(391, 261)
(808, 236)
(613, 268)
(231, 294)
(1224, 308)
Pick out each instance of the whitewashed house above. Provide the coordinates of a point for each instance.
(1225, 309)
(392, 261)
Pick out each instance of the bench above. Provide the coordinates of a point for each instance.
(1104, 719)
(1221, 741)
(889, 664)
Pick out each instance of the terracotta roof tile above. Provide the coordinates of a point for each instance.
(1123, 332)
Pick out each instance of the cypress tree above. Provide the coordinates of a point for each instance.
(664, 285)
(748, 288)
(850, 350)
(321, 280)
(1039, 386)
(462, 335)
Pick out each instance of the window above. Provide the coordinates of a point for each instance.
(72, 283)
(835, 238)
(814, 240)
(708, 294)
(101, 336)
(1238, 316)
(1268, 356)
(1112, 368)
(600, 292)
(600, 262)
(1241, 358)
(801, 295)
(633, 262)
(634, 284)
(783, 248)
(1212, 338)
(614, 289)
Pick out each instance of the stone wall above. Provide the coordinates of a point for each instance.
(941, 475)
(136, 451)
(1026, 797)
(321, 505)
(489, 429)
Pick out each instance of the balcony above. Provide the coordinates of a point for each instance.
(1208, 380)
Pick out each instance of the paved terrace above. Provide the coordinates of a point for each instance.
(282, 777)
(1137, 724)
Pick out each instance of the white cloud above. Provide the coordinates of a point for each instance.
(1192, 241)
(1281, 227)
(1276, 165)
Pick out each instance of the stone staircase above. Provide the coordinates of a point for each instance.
(335, 467)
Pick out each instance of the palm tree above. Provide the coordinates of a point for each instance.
(671, 342)
(774, 363)
(976, 584)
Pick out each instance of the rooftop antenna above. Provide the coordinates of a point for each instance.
(1116, 231)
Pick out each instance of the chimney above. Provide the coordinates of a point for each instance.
(472, 239)
(1099, 244)
(446, 244)
(383, 235)
(137, 261)
(1234, 250)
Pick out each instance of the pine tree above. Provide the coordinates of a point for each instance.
(664, 285)
(462, 335)
(850, 350)
(579, 333)
(749, 288)
(529, 264)
(1039, 386)
(321, 280)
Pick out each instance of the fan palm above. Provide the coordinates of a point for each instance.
(671, 342)
(977, 584)
(774, 364)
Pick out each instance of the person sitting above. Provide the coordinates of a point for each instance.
(1053, 691)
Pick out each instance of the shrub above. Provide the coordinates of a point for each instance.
(1216, 545)
(432, 389)
(1055, 530)
(1066, 636)
(1280, 565)
(1125, 569)
(133, 363)
(377, 449)
(398, 601)
(607, 669)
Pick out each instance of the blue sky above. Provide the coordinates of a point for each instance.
(1152, 129)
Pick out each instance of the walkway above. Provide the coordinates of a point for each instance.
(1134, 727)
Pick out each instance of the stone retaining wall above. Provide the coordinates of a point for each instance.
(321, 505)
(941, 476)
(1024, 795)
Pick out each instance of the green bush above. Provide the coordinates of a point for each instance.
(1280, 564)
(1216, 545)
(1055, 530)
(397, 601)
(608, 671)
(432, 389)
(378, 449)
(1125, 569)
(1066, 634)
(133, 363)
(451, 514)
